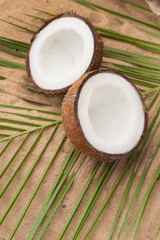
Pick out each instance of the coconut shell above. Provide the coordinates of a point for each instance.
(72, 125)
(94, 64)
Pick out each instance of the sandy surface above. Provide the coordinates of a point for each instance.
(15, 91)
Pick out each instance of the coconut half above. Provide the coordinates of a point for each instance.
(63, 50)
(104, 115)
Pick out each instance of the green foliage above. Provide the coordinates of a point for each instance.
(143, 70)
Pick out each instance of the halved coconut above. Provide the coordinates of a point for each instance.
(62, 51)
(104, 115)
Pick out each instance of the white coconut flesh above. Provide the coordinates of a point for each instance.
(110, 113)
(61, 53)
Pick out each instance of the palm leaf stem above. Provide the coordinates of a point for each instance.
(29, 131)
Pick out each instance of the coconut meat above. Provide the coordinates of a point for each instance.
(61, 53)
(110, 113)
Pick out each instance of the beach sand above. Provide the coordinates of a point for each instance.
(16, 91)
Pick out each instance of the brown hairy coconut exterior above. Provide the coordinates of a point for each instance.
(94, 64)
(72, 125)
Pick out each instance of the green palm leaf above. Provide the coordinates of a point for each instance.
(148, 192)
(79, 200)
(14, 155)
(52, 195)
(90, 4)
(127, 167)
(37, 187)
(143, 69)
(10, 64)
(136, 5)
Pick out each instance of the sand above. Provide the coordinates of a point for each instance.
(15, 92)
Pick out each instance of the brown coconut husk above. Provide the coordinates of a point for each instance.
(72, 125)
(94, 64)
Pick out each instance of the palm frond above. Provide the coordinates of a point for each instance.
(20, 20)
(8, 50)
(92, 200)
(11, 40)
(140, 76)
(4, 149)
(2, 78)
(140, 45)
(143, 211)
(7, 120)
(51, 14)
(15, 25)
(52, 195)
(143, 70)
(9, 128)
(149, 33)
(127, 167)
(119, 20)
(4, 135)
(141, 29)
(27, 116)
(131, 60)
(131, 54)
(136, 5)
(138, 81)
(20, 165)
(32, 16)
(30, 109)
(130, 181)
(150, 91)
(29, 131)
(90, 4)
(150, 104)
(134, 171)
(125, 38)
(148, 192)
(37, 187)
(32, 88)
(14, 155)
(11, 64)
(157, 233)
(66, 188)
(14, 45)
(79, 200)
(23, 182)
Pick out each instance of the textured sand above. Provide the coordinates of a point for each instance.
(14, 87)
